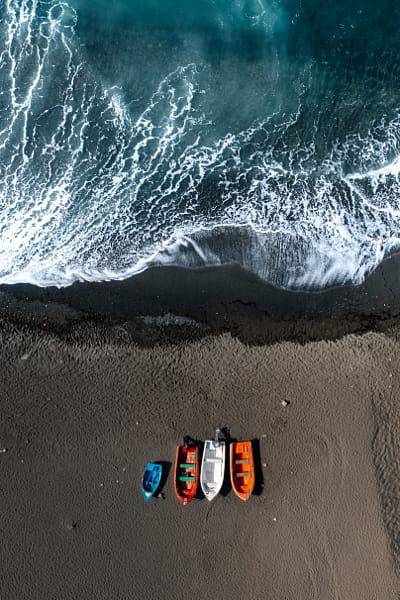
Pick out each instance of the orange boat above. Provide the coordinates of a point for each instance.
(186, 473)
(242, 469)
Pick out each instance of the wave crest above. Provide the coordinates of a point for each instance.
(90, 191)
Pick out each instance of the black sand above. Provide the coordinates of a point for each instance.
(99, 379)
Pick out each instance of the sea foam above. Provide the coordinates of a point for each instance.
(93, 190)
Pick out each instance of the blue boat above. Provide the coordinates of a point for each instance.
(151, 479)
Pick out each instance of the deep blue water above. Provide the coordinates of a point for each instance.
(144, 132)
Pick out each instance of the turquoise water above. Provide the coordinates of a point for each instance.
(135, 133)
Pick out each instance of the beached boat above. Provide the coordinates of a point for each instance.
(186, 473)
(242, 469)
(151, 479)
(212, 467)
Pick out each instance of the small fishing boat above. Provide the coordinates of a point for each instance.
(212, 467)
(242, 469)
(151, 479)
(186, 473)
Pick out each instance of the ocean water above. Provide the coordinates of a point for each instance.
(143, 132)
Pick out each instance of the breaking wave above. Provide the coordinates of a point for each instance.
(92, 190)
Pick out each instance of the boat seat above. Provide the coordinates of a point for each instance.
(214, 460)
(241, 461)
(187, 466)
(243, 474)
(186, 478)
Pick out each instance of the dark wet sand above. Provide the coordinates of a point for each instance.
(97, 380)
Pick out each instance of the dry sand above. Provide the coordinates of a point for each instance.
(81, 417)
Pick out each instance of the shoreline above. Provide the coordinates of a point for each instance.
(212, 300)
(100, 379)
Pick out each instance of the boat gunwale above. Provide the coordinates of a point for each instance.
(151, 468)
(186, 498)
(211, 492)
(250, 468)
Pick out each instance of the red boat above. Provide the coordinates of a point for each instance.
(186, 473)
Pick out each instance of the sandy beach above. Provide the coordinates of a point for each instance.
(84, 407)
(199, 231)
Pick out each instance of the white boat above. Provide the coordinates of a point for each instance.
(212, 467)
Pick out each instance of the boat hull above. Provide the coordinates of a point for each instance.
(186, 473)
(212, 468)
(242, 469)
(151, 480)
